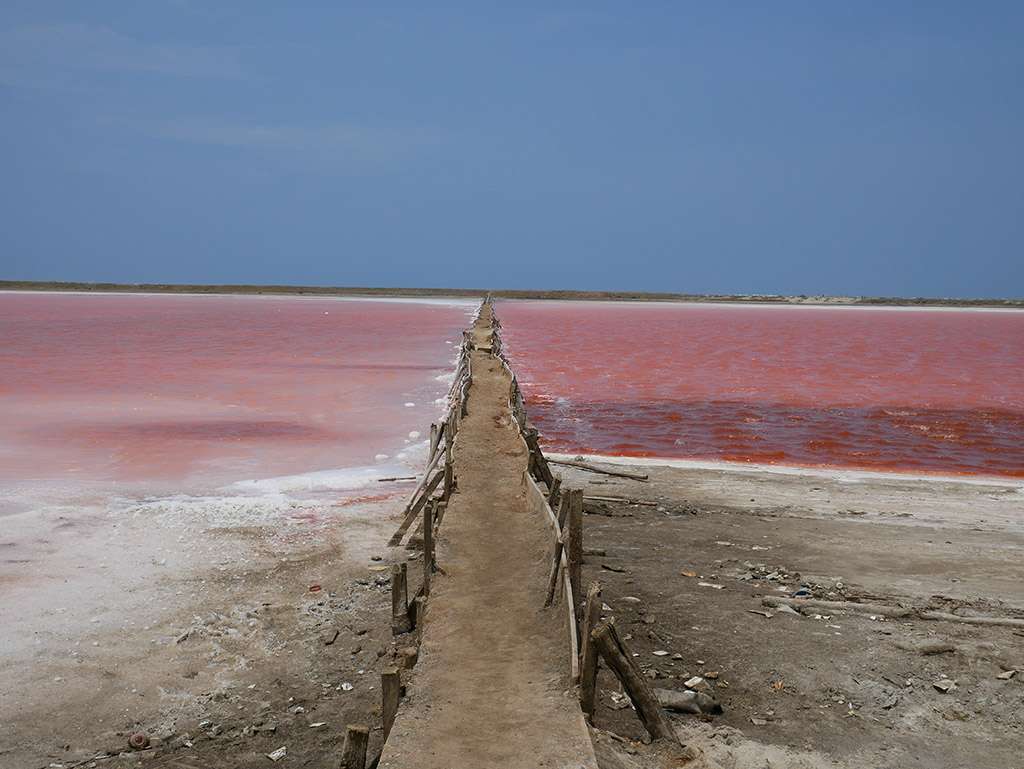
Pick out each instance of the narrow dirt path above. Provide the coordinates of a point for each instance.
(491, 688)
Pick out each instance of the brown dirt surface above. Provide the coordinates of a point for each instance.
(818, 689)
(491, 688)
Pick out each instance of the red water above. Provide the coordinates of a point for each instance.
(926, 391)
(215, 388)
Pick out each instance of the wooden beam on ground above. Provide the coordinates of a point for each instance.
(602, 471)
(646, 703)
(588, 661)
(353, 754)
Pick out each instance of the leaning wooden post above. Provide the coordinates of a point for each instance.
(556, 556)
(433, 440)
(400, 622)
(391, 693)
(618, 659)
(555, 491)
(353, 754)
(574, 548)
(428, 544)
(588, 662)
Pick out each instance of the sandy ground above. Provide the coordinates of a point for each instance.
(203, 624)
(818, 689)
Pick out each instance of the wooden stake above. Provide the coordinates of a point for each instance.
(555, 491)
(574, 549)
(428, 544)
(556, 556)
(588, 663)
(400, 622)
(353, 754)
(391, 693)
(433, 440)
(531, 436)
(617, 658)
(449, 473)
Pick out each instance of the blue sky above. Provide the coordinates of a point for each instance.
(790, 147)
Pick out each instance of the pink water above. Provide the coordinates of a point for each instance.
(927, 391)
(211, 389)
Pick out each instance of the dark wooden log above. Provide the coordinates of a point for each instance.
(353, 754)
(391, 693)
(400, 622)
(646, 703)
(589, 654)
(574, 549)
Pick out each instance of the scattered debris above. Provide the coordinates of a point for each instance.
(1006, 675)
(138, 741)
(944, 685)
(711, 584)
(616, 569)
(697, 683)
(758, 721)
(278, 754)
(688, 573)
(660, 653)
(697, 703)
(763, 612)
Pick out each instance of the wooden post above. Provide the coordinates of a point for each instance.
(433, 440)
(391, 693)
(554, 491)
(419, 613)
(449, 472)
(588, 663)
(556, 556)
(442, 506)
(574, 549)
(400, 622)
(540, 465)
(353, 754)
(428, 544)
(618, 659)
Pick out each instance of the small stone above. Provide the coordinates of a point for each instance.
(944, 685)
(712, 674)
(1006, 675)
(697, 683)
(660, 653)
(758, 721)
(278, 754)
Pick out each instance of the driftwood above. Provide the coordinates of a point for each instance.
(400, 621)
(698, 703)
(588, 661)
(617, 658)
(592, 469)
(895, 612)
(353, 754)
(624, 500)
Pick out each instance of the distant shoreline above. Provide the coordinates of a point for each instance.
(618, 296)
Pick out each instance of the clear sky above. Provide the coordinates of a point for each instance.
(784, 147)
